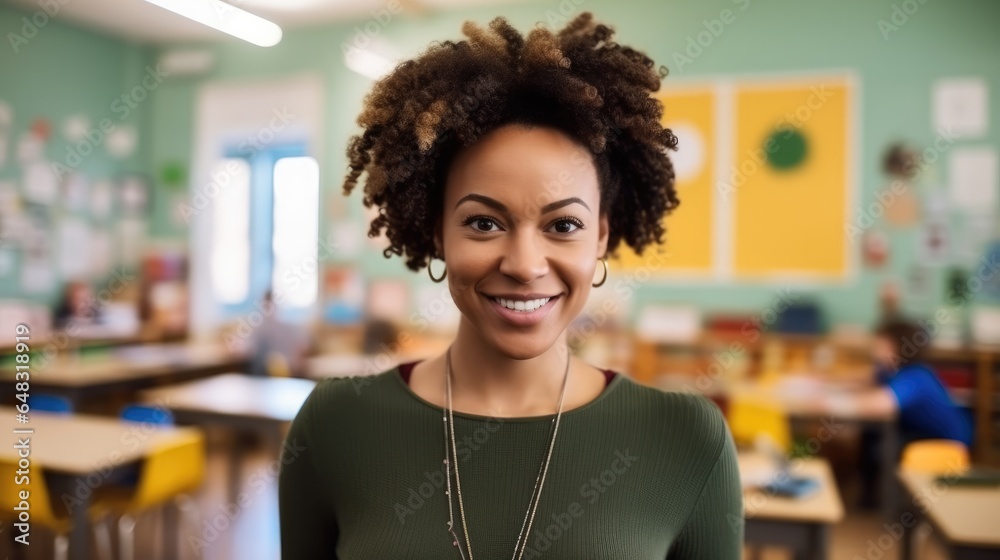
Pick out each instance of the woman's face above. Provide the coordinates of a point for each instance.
(522, 227)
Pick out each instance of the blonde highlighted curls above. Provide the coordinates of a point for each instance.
(576, 80)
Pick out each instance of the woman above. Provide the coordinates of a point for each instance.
(521, 163)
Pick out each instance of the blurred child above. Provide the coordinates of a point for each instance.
(279, 347)
(909, 386)
(77, 306)
(926, 410)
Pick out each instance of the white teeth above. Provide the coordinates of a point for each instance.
(527, 306)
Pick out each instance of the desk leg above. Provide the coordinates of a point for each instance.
(170, 531)
(235, 464)
(821, 542)
(79, 541)
(816, 545)
(890, 453)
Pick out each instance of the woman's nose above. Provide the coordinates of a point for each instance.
(525, 258)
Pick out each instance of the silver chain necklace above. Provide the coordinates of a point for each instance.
(449, 432)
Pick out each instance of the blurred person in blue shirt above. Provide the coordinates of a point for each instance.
(907, 384)
(926, 410)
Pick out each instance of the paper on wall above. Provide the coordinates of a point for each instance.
(75, 192)
(973, 179)
(961, 106)
(75, 128)
(101, 253)
(36, 276)
(344, 238)
(934, 243)
(30, 147)
(121, 142)
(6, 116)
(132, 233)
(101, 199)
(40, 184)
(74, 238)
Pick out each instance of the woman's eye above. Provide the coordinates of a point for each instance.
(565, 226)
(483, 224)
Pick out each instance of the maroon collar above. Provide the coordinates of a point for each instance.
(407, 368)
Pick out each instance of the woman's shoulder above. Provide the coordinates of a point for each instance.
(679, 415)
(348, 395)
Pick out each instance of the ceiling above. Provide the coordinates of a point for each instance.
(138, 21)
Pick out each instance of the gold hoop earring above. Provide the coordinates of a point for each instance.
(431, 274)
(603, 280)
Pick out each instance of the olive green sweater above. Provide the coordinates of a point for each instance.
(636, 474)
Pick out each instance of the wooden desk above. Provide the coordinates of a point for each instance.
(77, 449)
(813, 399)
(125, 369)
(238, 401)
(800, 524)
(966, 518)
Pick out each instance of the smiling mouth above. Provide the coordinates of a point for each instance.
(521, 305)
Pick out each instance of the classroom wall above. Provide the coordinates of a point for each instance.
(896, 66)
(55, 71)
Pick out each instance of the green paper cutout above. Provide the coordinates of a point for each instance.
(788, 148)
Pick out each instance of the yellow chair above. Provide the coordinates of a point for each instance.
(169, 473)
(42, 512)
(752, 417)
(935, 456)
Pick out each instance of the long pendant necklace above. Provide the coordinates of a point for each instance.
(451, 454)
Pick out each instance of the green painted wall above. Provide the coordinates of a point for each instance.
(896, 71)
(53, 71)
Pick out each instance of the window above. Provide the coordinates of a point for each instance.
(231, 231)
(296, 229)
(265, 230)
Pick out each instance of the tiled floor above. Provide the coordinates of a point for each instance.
(227, 532)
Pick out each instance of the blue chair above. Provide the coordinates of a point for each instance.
(147, 415)
(40, 402)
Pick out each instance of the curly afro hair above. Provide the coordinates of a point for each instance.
(576, 80)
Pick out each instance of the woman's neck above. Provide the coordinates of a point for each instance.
(487, 382)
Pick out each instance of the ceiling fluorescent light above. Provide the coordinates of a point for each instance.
(226, 18)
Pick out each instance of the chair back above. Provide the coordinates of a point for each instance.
(936, 456)
(753, 417)
(175, 468)
(41, 402)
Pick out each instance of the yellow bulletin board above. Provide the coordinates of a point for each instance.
(690, 113)
(764, 175)
(790, 221)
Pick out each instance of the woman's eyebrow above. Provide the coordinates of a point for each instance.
(499, 206)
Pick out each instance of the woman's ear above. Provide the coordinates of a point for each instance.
(438, 241)
(603, 231)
